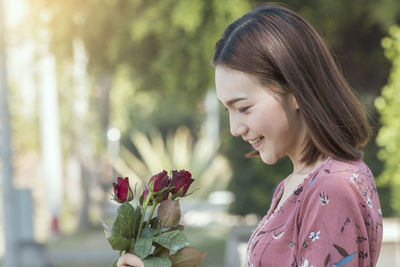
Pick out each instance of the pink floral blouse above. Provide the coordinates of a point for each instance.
(333, 218)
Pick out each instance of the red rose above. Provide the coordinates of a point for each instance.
(159, 185)
(180, 183)
(122, 191)
(159, 181)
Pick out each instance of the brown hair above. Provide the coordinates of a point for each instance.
(283, 51)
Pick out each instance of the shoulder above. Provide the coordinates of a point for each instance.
(279, 187)
(340, 203)
(342, 177)
(343, 184)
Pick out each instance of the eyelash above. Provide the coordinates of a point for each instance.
(244, 109)
(240, 110)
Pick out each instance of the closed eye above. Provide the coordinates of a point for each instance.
(244, 109)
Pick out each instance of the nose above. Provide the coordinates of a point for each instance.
(237, 127)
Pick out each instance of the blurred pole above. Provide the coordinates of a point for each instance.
(10, 259)
(50, 136)
(82, 146)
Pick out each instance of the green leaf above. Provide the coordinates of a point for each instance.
(132, 247)
(155, 223)
(115, 263)
(118, 242)
(143, 247)
(160, 251)
(136, 220)
(123, 224)
(150, 232)
(157, 262)
(122, 229)
(174, 240)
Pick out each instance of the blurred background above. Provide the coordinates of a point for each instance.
(95, 89)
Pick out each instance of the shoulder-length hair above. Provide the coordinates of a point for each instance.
(284, 52)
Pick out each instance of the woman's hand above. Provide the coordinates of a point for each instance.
(129, 260)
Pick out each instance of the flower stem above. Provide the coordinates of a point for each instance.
(151, 212)
(146, 203)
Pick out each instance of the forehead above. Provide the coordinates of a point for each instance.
(234, 84)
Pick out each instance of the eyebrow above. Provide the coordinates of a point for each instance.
(233, 101)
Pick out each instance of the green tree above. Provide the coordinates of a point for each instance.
(388, 105)
(168, 44)
(160, 52)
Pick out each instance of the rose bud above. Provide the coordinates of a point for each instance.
(122, 190)
(159, 185)
(180, 183)
(159, 181)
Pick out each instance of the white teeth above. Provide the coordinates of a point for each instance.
(253, 141)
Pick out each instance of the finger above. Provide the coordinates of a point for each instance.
(128, 260)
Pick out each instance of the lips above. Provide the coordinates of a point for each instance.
(256, 140)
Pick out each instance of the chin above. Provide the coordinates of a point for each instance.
(268, 159)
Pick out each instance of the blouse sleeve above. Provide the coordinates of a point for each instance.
(339, 222)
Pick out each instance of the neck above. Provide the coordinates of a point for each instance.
(302, 169)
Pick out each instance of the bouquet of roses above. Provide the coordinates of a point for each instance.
(159, 240)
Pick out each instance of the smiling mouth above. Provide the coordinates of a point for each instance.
(256, 140)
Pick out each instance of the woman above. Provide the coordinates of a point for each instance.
(286, 97)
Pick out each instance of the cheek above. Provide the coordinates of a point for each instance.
(270, 120)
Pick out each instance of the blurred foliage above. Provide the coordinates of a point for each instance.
(157, 54)
(353, 30)
(23, 117)
(168, 44)
(147, 111)
(388, 105)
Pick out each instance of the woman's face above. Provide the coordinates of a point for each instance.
(267, 120)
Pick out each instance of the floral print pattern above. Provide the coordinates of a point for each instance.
(332, 219)
(314, 236)
(305, 264)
